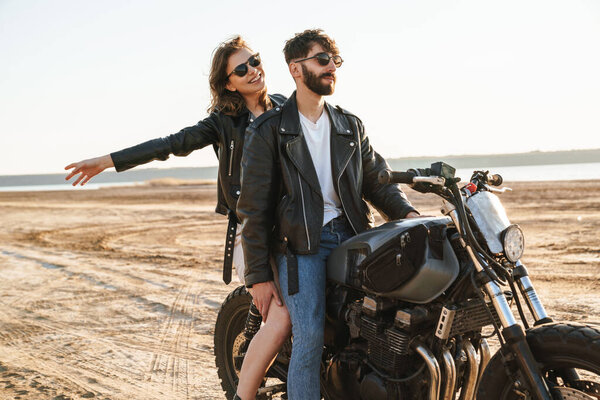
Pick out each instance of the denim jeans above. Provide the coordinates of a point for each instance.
(307, 311)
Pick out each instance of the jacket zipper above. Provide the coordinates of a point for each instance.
(340, 194)
(230, 157)
(304, 211)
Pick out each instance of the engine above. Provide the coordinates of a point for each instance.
(377, 356)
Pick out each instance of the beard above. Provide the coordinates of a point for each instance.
(313, 82)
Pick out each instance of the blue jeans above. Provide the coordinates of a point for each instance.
(307, 311)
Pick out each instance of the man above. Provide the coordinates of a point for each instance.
(307, 167)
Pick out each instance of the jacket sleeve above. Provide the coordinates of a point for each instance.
(181, 143)
(256, 204)
(388, 199)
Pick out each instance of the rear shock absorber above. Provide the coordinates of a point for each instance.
(253, 322)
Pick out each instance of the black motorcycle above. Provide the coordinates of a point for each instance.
(411, 304)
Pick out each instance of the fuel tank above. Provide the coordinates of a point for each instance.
(432, 271)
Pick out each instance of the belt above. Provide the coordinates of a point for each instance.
(229, 245)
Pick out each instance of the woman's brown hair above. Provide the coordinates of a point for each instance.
(223, 100)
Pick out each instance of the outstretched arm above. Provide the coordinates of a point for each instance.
(182, 143)
(88, 168)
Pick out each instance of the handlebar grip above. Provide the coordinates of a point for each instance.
(386, 176)
(495, 180)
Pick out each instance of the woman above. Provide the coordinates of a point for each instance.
(238, 96)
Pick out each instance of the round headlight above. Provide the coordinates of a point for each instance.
(513, 242)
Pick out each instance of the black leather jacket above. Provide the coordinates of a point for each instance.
(224, 132)
(281, 201)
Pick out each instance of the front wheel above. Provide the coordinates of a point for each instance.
(569, 358)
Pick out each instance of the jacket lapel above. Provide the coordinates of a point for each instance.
(295, 145)
(343, 143)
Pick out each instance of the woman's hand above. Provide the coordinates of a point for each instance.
(89, 168)
(261, 296)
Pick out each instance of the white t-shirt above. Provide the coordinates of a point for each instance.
(317, 138)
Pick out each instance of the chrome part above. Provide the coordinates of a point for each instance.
(434, 180)
(491, 218)
(468, 390)
(450, 378)
(304, 211)
(493, 189)
(513, 243)
(369, 305)
(449, 210)
(445, 323)
(535, 305)
(484, 358)
(500, 304)
(572, 394)
(496, 295)
(403, 318)
(272, 389)
(434, 370)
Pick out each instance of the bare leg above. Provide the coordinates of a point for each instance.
(262, 350)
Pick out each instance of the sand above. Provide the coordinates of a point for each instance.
(113, 293)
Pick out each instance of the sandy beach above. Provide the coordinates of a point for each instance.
(113, 293)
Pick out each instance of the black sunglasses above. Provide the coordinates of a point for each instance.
(324, 58)
(242, 69)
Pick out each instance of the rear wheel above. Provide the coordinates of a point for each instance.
(569, 359)
(230, 343)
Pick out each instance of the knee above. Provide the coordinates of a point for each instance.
(280, 327)
(307, 337)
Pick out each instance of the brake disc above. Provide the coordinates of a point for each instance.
(568, 393)
(588, 387)
(239, 351)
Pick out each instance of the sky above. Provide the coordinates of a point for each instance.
(80, 78)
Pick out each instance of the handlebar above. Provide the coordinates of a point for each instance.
(386, 176)
(408, 177)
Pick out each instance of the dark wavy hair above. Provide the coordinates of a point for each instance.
(300, 44)
(221, 99)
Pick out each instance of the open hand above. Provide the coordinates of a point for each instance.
(88, 168)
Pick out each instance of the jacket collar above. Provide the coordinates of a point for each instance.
(343, 144)
(290, 120)
(249, 118)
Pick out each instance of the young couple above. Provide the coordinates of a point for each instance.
(306, 167)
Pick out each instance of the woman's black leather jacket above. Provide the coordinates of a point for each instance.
(224, 132)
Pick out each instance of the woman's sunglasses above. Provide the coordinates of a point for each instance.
(242, 69)
(324, 58)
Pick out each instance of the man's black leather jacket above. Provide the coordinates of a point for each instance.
(224, 132)
(281, 201)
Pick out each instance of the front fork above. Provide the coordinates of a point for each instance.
(512, 332)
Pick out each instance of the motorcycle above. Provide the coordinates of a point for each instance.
(411, 305)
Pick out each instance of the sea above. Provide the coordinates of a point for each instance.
(49, 182)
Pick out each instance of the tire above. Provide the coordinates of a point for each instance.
(558, 348)
(229, 338)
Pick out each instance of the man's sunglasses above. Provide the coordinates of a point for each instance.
(324, 58)
(242, 69)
